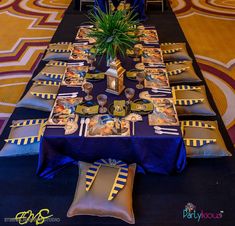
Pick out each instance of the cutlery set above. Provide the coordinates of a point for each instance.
(157, 129)
(146, 95)
(164, 130)
(82, 122)
(161, 90)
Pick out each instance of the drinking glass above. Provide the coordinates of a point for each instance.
(137, 52)
(102, 100)
(129, 92)
(87, 87)
(140, 76)
(140, 30)
(91, 58)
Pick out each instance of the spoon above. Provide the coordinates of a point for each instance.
(161, 132)
(161, 128)
(133, 119)
(87, 121)
(82, 121)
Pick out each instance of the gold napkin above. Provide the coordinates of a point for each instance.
(94, 76)
(129, 52)
(141, 107)
(131, 74)
(119, 108)
(87, 110)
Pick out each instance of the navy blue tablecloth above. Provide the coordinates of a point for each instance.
(154, 153)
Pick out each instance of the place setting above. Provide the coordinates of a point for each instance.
(63, 115)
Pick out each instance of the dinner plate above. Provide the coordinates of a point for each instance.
(142, 101)
(111, 110)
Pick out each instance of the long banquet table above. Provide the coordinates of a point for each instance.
(153, 153)
(158, 200)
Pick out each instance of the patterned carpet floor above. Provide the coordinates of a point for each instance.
(209, 26)
(27, 27)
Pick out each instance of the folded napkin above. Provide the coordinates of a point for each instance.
(87, 110)
(129, 52)
(119, 108)
(141, 107)
(95, 76)
(131, 74)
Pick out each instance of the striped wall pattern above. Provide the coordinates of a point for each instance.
(209, 28)
(27, 27)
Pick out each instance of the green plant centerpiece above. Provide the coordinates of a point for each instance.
(114, 32)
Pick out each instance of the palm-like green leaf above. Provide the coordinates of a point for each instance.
(113, 31)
